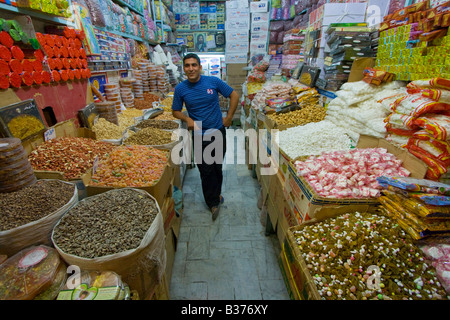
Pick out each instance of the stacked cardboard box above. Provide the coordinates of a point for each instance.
(237, 27)
(346, 43)
(236, 76)
(320, 20)
(414, 42)
(259, 25)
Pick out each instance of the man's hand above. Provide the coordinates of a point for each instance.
(227, 122)
(192, 125)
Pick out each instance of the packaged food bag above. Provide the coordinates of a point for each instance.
(28, 273)
(95, 285)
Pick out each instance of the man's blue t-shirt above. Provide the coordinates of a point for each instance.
(202, 100)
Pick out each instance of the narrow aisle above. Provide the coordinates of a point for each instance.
(230, 258)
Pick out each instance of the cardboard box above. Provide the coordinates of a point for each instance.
(242, 35)
(259, 6)
(259, 17)
(160, 190)
(237, 46)
(236, 25)
(62, 129)
(287, 277)
(306, 204)
(299, 279)
(237, 69)
(236, 58)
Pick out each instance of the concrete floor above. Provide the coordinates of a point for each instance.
(230, 258)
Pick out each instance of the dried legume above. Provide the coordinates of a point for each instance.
(108, 223)
(33, 203)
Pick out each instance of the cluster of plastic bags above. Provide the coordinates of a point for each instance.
(421, 117)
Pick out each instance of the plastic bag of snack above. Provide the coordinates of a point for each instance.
(437, 125)
(437, 83)
(433, 148)
(94, 285)
(415, 185)
(28, 273)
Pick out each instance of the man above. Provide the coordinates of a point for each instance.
(200, 95)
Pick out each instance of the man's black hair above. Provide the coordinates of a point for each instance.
(190, 56)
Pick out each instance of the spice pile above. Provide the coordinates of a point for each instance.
(340, 254)
(72, 156)
(108, 223)
(33, 203)
(24, 126)
(150, 137)
(130, 166)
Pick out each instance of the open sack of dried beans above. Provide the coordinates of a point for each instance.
(120, 230)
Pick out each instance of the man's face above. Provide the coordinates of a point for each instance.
(192, 69)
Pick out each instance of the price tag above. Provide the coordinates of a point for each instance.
(49, 134)
(95, 165)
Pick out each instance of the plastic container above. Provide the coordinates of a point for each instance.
(28, 273)
(19, 116)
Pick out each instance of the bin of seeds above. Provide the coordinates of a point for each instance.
(15, 169)
(120, 230)
(29, 214)
(150, 136)
(358, 256)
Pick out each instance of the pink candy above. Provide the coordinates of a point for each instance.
(344, 174)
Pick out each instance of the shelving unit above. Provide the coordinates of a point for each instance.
(38, 15)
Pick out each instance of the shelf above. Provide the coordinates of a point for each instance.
(38, 15)
(104, 71)
(126, 35)
(123, 3)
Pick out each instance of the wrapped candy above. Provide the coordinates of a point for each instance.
(353, 173)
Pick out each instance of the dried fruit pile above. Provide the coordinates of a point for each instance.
(341, 253)
(130, 166)
(72, 156)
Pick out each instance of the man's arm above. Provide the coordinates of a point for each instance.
(183, 117)
(234, 100)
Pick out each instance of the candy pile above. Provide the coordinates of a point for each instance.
(72, 156)
(271, 89)
(313, 139)
(352, 173)
(130, 166)
(346, 256)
